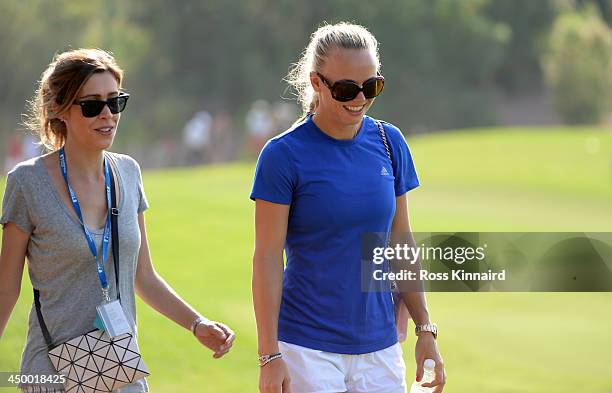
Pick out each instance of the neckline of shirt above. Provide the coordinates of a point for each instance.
(339, 142)
(47, 178)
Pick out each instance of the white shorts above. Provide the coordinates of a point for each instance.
(313, 371)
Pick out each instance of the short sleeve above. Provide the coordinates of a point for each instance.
(405, 173)
(14, 205)
(274, 174)
(143, 203)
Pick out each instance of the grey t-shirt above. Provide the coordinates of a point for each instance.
(60, 263)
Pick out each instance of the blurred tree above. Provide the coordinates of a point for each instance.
(439, 58)
(579, 66)
(32, 32)
(529, 23)
(604, 6)
(443, 59)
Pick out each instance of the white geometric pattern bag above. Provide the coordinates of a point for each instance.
(94, 362)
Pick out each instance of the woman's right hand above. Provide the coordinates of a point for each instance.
(274, 377)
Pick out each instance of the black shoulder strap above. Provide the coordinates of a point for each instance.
(383, 136)
(41, 321)
(115, 242)
(115, 231)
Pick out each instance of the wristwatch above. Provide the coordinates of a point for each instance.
(428, 327)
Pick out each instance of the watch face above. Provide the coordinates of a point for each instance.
(432, 328)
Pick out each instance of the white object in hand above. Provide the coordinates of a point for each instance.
(428, 376)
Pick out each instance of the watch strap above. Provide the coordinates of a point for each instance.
(428, 327)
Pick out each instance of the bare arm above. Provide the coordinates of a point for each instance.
(415, 301)
(154, 290)
(426, 346)
(270, 233)
(12, 260)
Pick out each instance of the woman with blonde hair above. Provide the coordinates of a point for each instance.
(59, 210)
(333, 176)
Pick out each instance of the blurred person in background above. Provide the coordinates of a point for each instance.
(318, 187)
(260, 123)
(223, 141)
(196, 137)
(61, 224)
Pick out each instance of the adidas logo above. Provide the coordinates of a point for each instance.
(384, 172)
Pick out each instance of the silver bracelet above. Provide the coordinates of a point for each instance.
(196, 322)
(265, 359)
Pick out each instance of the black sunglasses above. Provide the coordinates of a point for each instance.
(92, 108)
(346, 90)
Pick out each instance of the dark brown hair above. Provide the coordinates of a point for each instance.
(59, 86)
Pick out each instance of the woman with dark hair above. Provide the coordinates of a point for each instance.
(57, 212)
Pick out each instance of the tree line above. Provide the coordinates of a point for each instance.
(443, 59)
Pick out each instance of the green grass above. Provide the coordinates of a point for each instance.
(201, 235)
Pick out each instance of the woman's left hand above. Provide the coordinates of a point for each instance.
(426, 348)
(215, 336)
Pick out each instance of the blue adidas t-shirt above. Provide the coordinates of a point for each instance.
(338, 190)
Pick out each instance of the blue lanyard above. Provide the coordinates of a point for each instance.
(107, 226)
